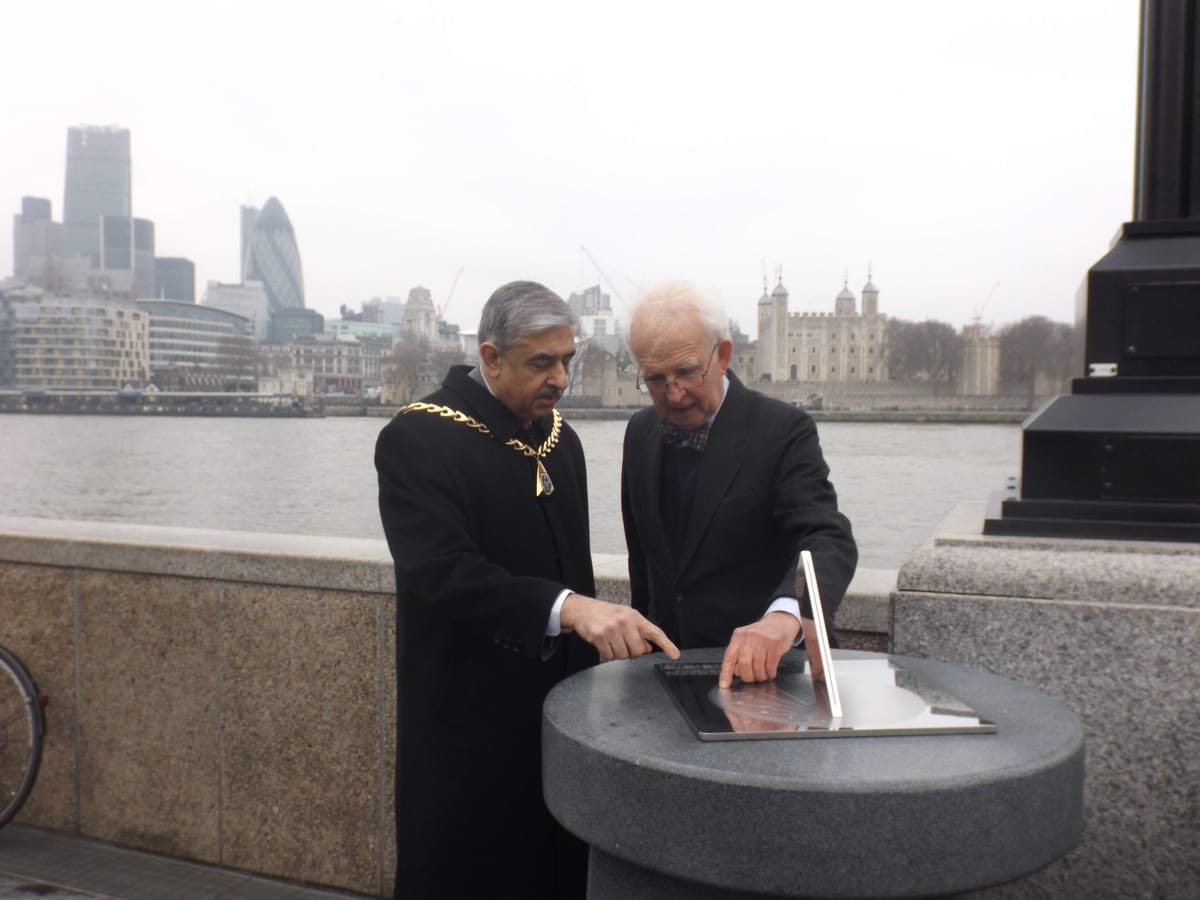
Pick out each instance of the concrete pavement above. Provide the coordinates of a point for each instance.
(35, 863)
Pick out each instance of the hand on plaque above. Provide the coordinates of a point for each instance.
(754, 650)
(751, 709)
(617, 632)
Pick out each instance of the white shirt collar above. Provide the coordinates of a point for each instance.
(724, 391)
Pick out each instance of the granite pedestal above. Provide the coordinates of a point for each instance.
(670, 816)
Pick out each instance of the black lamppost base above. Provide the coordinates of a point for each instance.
(1122, 465)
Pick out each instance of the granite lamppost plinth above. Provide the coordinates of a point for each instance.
(1065, 590)
(1117, 457)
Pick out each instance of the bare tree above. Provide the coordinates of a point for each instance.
(922, 351)
(945, 350)
(415, 367)
(1035, 348)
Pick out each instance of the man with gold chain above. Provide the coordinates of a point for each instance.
(483, 498)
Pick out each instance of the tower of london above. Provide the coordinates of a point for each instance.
(846, 345)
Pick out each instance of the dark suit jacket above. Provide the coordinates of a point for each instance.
(479, 562)
(762, 494)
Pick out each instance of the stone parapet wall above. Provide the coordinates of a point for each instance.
(215, 696)
(898, 395)
(230, 697)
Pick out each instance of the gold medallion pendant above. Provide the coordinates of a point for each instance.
(542, 484)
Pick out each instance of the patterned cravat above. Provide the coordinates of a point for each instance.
(673, 436)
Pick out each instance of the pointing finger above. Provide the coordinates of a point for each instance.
(725, 679)
(657, 636)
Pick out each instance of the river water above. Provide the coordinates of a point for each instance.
(896, 481)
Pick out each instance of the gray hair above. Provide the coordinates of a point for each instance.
(663, 302)
(519, 309)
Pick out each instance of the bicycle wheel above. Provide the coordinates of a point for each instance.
(21, 728)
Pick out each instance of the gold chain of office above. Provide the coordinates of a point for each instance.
(542, 483)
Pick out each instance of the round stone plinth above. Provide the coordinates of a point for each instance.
(666, 813)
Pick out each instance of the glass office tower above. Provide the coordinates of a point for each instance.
(270, 255)
(98, 183)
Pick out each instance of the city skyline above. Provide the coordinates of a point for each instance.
(974, 160)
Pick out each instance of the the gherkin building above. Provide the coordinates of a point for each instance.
(270, 255)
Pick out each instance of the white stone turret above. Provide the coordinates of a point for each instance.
(779, 331)
(870, 297)
(844, 304)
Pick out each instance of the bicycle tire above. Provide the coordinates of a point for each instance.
(22, 727)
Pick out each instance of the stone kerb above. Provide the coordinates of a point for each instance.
(1108, 628)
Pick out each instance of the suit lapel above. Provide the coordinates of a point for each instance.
(646, 486)
(719, 465)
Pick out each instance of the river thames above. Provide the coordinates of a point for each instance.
(895, 481)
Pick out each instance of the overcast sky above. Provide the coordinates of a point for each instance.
(978, 156)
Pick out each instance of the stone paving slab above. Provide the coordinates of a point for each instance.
(46, 864)
(29, 889)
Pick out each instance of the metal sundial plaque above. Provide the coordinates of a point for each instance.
(864, 697)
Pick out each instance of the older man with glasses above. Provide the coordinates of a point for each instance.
(721, 488)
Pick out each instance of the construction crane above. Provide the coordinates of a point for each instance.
(441, 310)
(612, 287)
(981, 307)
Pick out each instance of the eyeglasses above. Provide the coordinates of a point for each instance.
(685, 379)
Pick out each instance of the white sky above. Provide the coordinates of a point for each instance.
(964, 149)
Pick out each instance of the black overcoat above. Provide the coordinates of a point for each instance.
(762, 495)
(479, 563)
